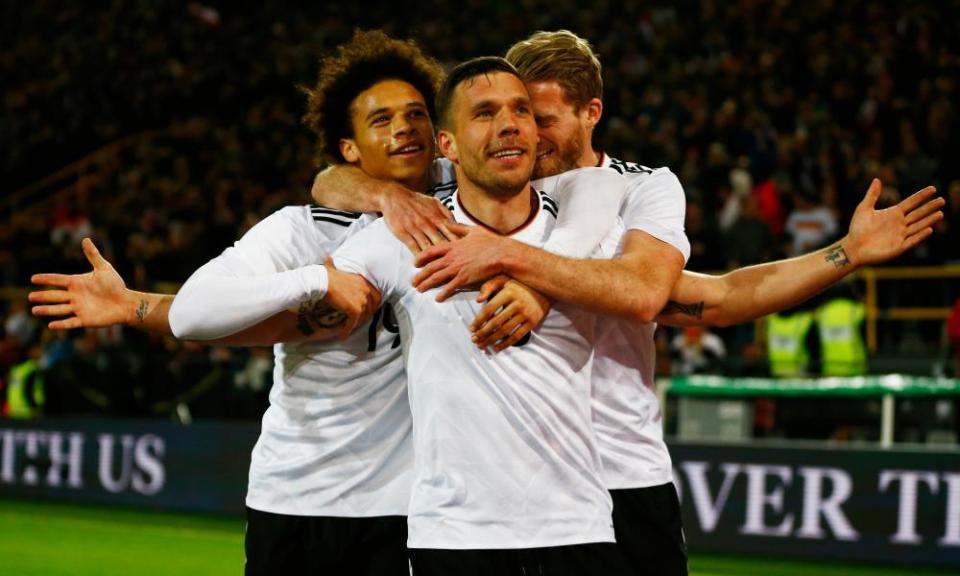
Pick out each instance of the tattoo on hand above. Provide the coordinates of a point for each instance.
(837, 256)
(142, 308)
(318, 315)
(694, 309)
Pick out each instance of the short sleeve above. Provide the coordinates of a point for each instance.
(656, 205)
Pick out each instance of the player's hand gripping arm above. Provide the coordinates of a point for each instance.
(418, 220)
(511, 312)
(635, 285)
(748, 293)
(98, 299)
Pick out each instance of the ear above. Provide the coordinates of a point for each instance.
(448, 145)
(349, 150)
(592, 112)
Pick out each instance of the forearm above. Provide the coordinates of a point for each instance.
(213, 305)
(346, 187)
(617, 287)
(749, 293)
(148, 311)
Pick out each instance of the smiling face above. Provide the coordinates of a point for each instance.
(564, 130)
(492, 135)
(392, 134)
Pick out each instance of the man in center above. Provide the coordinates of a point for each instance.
(507, 477)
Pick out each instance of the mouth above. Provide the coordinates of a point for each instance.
(507, 153)
(408, 150)
(543, 154)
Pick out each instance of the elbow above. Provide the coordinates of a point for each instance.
(185, 325)
(645, 309)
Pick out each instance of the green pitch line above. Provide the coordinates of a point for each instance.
(703, 565)
(47, 539)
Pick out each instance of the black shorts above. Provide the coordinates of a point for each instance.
(325, 545)
(576, 560)
(649, 531)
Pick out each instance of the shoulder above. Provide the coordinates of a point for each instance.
(443, 179)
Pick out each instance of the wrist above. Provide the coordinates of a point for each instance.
(134, 305)
(852, 252)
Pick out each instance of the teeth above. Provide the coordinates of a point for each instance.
(410, 148)
(506, 153)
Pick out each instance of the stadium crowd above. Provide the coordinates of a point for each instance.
(774, 115)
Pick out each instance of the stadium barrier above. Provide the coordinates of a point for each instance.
(892, 505)
(888, 387)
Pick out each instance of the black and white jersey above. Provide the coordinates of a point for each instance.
(627, 415)
(336, 438)
(505, 450)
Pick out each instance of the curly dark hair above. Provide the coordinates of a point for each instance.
(369, 57)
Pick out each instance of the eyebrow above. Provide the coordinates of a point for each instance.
(515, 101)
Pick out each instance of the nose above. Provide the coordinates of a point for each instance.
(402, 125)
(506, 122)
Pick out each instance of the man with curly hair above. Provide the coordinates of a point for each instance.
(330, 474)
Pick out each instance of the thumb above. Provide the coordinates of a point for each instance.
(93, 255)
(873, 194)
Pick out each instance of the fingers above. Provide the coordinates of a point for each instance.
(431, 276)
(430, 254)
(915, 239)
(917, 198)
(873, 193)
(61, 280)
(411, 243)
(459, 230)
(925, 210)
(448, 234)
(451, 287)
(49, 297)
(493, 329)
(927, 222)
(518, 328)
(486, 320)
(93, 255)
(65, 324)
(53, 310)
(422, 240)
(491, 287)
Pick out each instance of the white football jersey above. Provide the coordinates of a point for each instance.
(626, 413)
(336, 438)
(505, 450)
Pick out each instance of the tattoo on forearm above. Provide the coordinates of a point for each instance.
(312, 316)
(142, 308)
(694, 309)
(837, 256)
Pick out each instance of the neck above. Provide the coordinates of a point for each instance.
(421, 184)
(502, 214)
(589, 158)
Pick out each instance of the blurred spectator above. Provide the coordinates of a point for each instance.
(811, 225)
(706, 243)
(698, 351)
(953, 336)
(788, 349)
(749, 240)
(193, 111)
(839, 325)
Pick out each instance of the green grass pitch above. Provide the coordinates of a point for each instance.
(46, 539)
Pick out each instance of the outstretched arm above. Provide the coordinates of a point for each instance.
(101, 299)
(418, 220)
(98, 299)
(745, 294)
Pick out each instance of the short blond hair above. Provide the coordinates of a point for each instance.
(563, 57)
